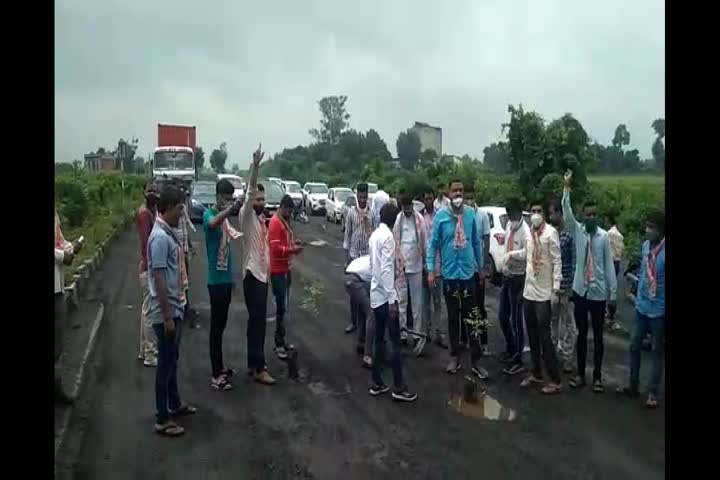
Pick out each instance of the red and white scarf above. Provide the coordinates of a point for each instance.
(589, 266)
(459, 241)
(228, 233)
(537, 252)
(651, 268)
(399, 257)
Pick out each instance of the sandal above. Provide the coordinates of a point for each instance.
(598, 386)
(184, 410)
(220, 383)
(551, 388)
(169, 429)
(651, 402)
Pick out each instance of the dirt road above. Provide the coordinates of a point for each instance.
(326, 425)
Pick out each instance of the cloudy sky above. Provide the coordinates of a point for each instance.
(249, 71)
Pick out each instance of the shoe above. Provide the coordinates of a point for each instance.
(350, 328)
(598, 386)
(264, 378)
(141, 356)
(531, 381)
(221, 383)
(360, 349)
(481, 372)
(281, 352)
(150, 362)
(453, 366)
(441, 342)
(376, 390)
(551, 388)
(228, 372)
(513, 369)
(404, 396)
(367, 362)
(577, 382)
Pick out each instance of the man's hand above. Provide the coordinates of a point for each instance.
(555, 299)
(169, 328)
(76, 247)
(394, 310)
(431, 279)
(68, 258)
(258, 155)
(568, 178)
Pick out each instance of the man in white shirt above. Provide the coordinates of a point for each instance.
(383, 300)
(513, 267)
(357, 284)
(541, 294)
(409, 233)
(379, 200)
(64, 254)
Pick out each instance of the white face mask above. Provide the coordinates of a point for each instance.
(514, 224)
(457, 202)
(536, 219)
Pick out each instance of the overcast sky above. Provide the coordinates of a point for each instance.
(251, 71)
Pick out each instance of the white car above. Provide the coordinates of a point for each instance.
(372, 190)
(237, 182)
(350, 202)
(314, 196)
(336, 198)
(292, 188)
(498, 218)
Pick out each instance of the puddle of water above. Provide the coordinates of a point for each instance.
(486, 408)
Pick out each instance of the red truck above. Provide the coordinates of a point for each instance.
(174, 156)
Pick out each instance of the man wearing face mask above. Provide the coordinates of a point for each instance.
(144, 220)
(255, 268)
(514, 268)
(219, 235)
(594, 284)
(455, 235)
(541, 294)
(650, 308)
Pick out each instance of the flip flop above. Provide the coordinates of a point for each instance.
(651, 402)
(169, 429)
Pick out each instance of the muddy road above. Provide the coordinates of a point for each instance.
(325, 425)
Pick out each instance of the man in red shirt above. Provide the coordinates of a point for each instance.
(145, 219)
(283, 246)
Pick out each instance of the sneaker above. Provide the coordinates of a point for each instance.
(551, 388)
(281, 352)
(264, 378)
(453, 366)
(513, 369)
(150, 362)
(404, 396)
(221, 383)
(367, 362)
(481, 372)
(577, 382)
(598, 386)
(350, 328)
(376, 390)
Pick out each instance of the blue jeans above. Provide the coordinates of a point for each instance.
(167, 398)
(656, 326)
(383, 319)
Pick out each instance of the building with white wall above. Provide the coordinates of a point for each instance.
(430, 137)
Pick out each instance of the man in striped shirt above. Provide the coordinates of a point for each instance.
(255, 268)
(357, 235)
(564, 330)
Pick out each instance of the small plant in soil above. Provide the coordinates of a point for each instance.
(311, 296)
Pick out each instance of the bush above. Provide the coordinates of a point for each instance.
(71, 201)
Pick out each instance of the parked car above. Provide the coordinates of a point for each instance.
(350, 202)
(314, 197)
(292, 188)
(498, 221)
(372, 190)
(335, 199)
(238, 183)
(276, 180)
(204, 193)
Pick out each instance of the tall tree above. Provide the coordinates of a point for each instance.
(428, 158)
(621, 137)
(408, 148)
(218, 158)
(495, 157)
(658, 147)
(334, 119)
(235, 169)
(125, 154)
(199, 157)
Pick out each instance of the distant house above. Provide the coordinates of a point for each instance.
(100, 162)
(430, 137)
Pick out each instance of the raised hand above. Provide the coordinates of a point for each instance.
(258, 155)
(568, 177)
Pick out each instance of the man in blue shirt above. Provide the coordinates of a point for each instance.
(455, 235)
(167, 304)
(218, 236)
(650, 307)
(594, 284)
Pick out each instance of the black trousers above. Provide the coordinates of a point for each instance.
(220, 296)
(480, 303)
(537, 323)
(280, 287)
(596, 310)
(255, 293)
(460, 301)
(383, 320)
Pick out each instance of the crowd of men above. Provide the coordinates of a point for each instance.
(558, 277)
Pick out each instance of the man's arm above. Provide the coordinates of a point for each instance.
(275, 235)
(186, 217)
(610, 277)
(144, 222)
(387, 277)
(521, 253)
(433, 245)
(349, 222)
(475, 240)
(157, 262)
(246, 211)
(556, 260)
(568, 215)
